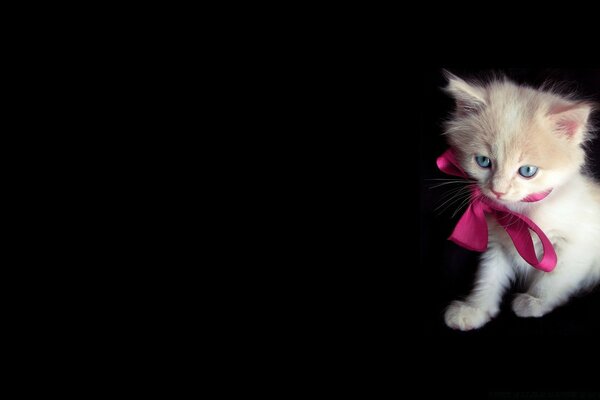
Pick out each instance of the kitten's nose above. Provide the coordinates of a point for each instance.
(498, 194)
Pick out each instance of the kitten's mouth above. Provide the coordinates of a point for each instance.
(500, 201)
(530, 198)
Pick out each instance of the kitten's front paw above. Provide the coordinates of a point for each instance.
(460, 315)
(525, 305)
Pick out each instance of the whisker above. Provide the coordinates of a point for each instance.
(450, 179)
(448, 183)
(451, 192)
(512, 222)
(449, 201)
(456, 198)
(464, 203)
(456, 192)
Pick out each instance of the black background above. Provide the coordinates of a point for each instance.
(448, 269)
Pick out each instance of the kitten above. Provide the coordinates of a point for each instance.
(515, 141)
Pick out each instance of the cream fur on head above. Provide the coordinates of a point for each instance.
(502, 132)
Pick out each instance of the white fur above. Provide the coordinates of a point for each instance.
(514, 126)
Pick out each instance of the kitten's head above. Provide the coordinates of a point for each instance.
(515, 140)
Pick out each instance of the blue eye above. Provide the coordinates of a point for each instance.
(483, 161)
(528, 171)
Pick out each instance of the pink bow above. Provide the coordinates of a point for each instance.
(471, 231)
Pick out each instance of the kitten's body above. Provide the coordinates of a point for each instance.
(514, 125)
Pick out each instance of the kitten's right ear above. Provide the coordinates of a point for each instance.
(570, 119)
(469, 97)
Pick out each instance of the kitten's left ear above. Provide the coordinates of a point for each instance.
(570, 119)
(470, 97)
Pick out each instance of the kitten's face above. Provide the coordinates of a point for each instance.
(511, 162)
(515, 141)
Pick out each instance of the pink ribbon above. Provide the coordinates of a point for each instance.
(471, 232)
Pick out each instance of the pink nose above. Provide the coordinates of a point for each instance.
(498, 194)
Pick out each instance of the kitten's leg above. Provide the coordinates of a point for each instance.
(483, 303)
(551, 289)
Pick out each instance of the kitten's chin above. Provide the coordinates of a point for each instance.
(503, 201)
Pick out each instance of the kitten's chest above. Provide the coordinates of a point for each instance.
(562, 225)
(552, 222)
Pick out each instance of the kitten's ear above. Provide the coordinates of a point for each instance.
(570, 119)
(469, 97)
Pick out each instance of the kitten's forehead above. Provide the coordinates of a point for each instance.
(523, 144)
(512, 124)
(509, 114)
(506, 151)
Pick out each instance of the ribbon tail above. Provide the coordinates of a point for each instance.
(521, 238)
(471, 231)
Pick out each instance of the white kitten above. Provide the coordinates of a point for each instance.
(498, 128)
